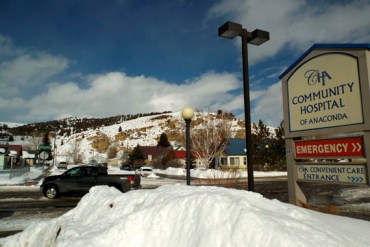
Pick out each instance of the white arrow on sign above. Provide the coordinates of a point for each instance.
(356, 147)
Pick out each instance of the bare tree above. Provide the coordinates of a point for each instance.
(33, 143)
(112, 151)
(75, 151)
(209, 137)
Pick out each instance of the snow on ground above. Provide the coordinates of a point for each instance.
(211, 173)
(179, 215)
(33, 174)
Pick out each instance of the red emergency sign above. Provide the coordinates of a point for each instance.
(334, 148)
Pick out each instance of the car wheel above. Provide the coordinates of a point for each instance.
(51, 192)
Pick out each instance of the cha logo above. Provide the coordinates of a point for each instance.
(314, 76)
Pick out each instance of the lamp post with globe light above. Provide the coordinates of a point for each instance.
(187, 115)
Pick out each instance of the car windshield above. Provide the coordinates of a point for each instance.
(147, 170)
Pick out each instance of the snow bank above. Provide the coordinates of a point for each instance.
(212, 173)
(178, 215)
(33, 174)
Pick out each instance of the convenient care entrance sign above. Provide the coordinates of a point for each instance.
(354, 173)
(332, 148)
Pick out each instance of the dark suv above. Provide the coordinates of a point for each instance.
(125, 167)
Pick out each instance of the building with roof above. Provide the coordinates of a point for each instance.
(10, 155)
(234, 156)
(153, 155)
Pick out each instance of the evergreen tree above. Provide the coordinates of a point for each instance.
(168, 157)
(46, 142)
(163, 141)
(137, 155)
(279, 150)
(261, 136)
(46, 139)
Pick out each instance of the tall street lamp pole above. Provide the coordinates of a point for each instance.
(55, 149)
(230, 30)
(187, 115)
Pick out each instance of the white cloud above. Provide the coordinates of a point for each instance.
(7, 47)
(269, 106)
(294, 26)
(21, 70)
(11, 104)
(102, 95)
(116, 93)
(298, 23)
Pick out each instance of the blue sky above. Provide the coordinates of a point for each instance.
(92, 58)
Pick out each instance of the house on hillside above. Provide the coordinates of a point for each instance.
(177, 158)
(180, 157)
(196, 162)
(10, 155)
(154, 155)
(30, 157)
(234, 156)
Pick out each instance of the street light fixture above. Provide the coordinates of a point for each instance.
(230, 30)
(266, 152)
(187, 115)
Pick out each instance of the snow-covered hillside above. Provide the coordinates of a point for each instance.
(143, 131)
(125, 134)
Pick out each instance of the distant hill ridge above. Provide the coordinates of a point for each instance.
(72, 125)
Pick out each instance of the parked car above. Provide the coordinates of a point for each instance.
(80, 179)
(125, 167)
(145, 171)
(103, 164)
(62, 165)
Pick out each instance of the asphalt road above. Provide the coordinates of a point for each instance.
(21, 207)
(25, 206)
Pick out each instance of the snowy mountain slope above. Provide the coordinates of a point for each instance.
(143, 131)
(123, 132)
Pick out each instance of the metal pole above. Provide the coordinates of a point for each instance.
(55, 150)
(188, 160)
(248, 132)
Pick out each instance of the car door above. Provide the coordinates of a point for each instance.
(79, 179)
(88, 179)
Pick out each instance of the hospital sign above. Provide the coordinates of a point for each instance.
(325, 92)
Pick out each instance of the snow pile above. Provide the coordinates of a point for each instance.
(178, 215)
(33, 174)
(171, 171)
(212, 173)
